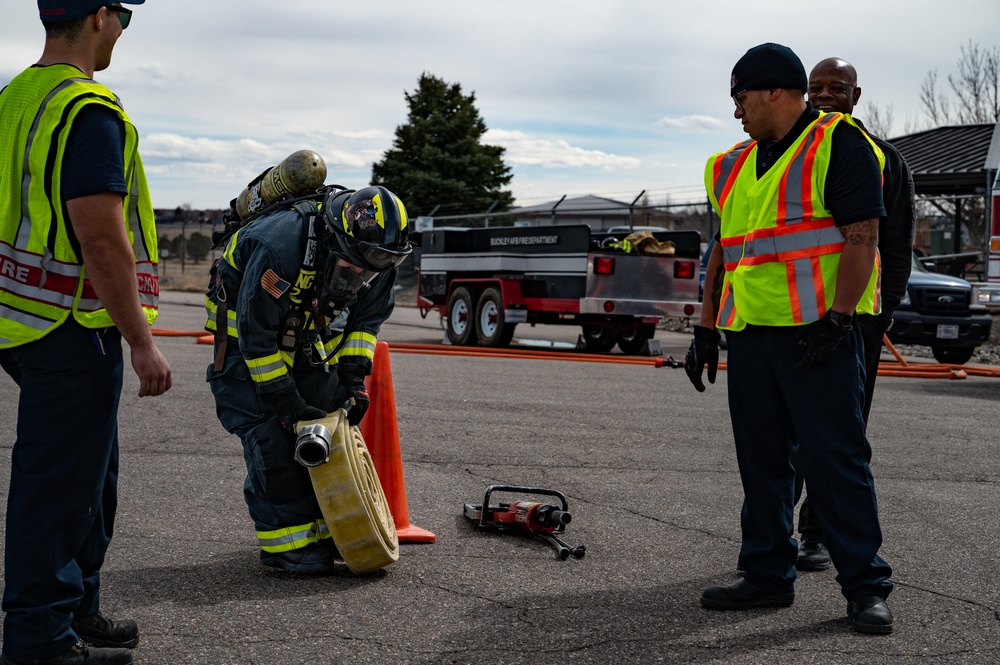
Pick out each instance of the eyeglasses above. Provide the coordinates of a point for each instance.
(740, 99)
(124, 15)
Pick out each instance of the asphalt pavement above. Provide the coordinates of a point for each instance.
(648, 468)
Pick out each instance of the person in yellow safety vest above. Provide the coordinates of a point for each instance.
(77, 274)
(799, 204)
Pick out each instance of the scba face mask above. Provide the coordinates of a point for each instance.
(342, 282)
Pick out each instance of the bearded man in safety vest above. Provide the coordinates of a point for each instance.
(800, 204)
(77, 274)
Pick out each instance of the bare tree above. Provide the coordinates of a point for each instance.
(975, 89)
(879, 120)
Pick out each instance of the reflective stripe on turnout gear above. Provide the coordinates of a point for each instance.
(293, 537)
(267, 368)
(359, 345)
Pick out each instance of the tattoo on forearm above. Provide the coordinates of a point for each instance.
(720, 275)
(861, 233)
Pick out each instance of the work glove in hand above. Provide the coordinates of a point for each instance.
(352, 387)
(704, 350)
(289, 407)
(819, 339)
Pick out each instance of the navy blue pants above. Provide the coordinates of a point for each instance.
(775, 410)
(872, 333)
(277, 489)
(63, 484)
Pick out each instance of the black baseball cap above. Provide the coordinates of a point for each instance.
(768, 66)
(55, 11)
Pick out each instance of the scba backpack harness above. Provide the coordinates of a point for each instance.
(306, 307)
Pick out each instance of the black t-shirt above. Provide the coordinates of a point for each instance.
(94, 161)
(853, 191)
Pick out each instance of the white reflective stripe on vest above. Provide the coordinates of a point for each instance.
(39, 278)
(726, 166)
(24, 318)
(800, 172)
(779, 245)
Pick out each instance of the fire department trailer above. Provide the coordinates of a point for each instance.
(484, 282)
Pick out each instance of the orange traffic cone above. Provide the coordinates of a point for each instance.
(381, 433)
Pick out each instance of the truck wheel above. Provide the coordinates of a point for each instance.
(491, 327)
(598, 339)
(953, 355)
(631, 341)
(461, 328)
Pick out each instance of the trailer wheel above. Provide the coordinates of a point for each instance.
(461, 328)
(598, 339)
(492, 328)
(631, 340)
(953, 355)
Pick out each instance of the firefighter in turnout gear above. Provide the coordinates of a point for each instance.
(296, 302)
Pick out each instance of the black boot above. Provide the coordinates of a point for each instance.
(813, 556)
(870, 615)
(98, 631)
(78, 654)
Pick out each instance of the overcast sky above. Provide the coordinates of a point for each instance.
(606, 97)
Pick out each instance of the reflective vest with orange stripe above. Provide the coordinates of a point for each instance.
(781, 248)
(42, 279)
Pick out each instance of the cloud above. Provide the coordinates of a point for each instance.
(704, 124)
(525, 150)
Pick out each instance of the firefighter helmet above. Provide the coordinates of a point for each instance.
(370, 226)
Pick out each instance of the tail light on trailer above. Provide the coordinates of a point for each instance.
(604, 265)
(684, 270)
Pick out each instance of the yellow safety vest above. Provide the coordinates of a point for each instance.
(781, 248)
(42, 279)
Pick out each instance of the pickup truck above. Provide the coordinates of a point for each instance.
(938, 311)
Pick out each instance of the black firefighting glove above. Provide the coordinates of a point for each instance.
(289, 407)
(352, 387)
(704, 350)
(819, 340)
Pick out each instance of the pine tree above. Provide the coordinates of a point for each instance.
(437, 159)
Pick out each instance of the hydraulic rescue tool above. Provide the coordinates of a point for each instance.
(542, 520)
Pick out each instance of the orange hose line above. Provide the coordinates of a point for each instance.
(913, 374)
(485, 352)
(903, 368)
(887, 344)
(975, 370)
(161, 332)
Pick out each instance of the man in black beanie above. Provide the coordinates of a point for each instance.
(799, 204)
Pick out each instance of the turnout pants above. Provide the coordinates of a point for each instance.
(777, 411)
(277, 490)
(63, 485)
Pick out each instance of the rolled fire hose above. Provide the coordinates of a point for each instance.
(350, 497)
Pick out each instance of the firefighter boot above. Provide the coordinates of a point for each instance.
(313, 559)
(98, 631)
